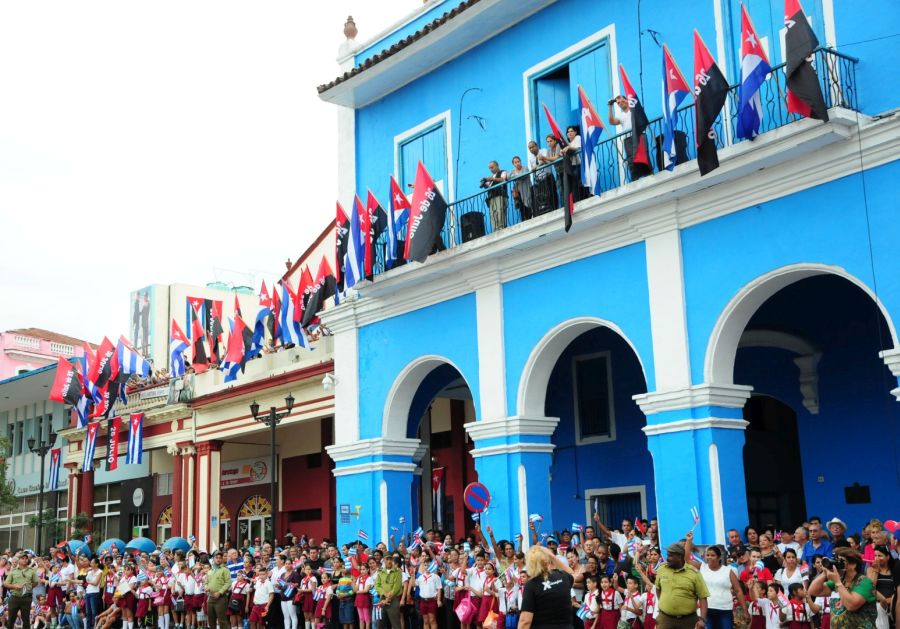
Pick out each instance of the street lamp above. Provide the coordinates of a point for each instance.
(41, 449)
(272, 419)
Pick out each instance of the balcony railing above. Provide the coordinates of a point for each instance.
(471, 217)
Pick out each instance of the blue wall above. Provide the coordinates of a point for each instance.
(610, 286)
(386, 347)
(854, 437)
(723, 255)
(622, 462)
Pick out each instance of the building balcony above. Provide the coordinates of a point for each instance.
(469, 219)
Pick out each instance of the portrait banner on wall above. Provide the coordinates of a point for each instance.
(141, 330)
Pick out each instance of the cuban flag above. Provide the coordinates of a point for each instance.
(130, 360)
(675, 89)
(289, 318)
(83, 409)
(577, 527)
(135, 451)
(353, 263)
(55, 456)
(584, 612)
(178, 345)
(754, 70)
(361, 534)
(591, 128)
(90, 444)
(397, 216)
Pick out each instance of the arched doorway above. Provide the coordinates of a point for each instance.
(428, 405)
(811, 347)
(772, 469)
(255, 519)
(585, 372)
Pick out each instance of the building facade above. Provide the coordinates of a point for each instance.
(724, 342)
(31, 348)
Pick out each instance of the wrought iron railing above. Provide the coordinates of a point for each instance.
(504, 205)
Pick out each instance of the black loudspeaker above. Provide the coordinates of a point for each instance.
(472, 225)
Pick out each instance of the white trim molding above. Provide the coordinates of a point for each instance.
(441, 118)
(591, 41)
(374, 447)
(378, 466)
(513, 448)
(695, 424)
(511, 426)
(728, 396)
(590, 494)
(726, 334)
(891, 358)
(399, 399)
(535, 376)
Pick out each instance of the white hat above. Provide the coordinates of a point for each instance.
(837, 520)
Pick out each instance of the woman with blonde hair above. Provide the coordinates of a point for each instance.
(546, 597)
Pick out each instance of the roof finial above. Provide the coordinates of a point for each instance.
(350, 28)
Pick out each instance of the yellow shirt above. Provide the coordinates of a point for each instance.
(679, 590)
(26, 576)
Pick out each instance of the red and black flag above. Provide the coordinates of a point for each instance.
(376, 221)
(637, 148)
(427, 214)
(237, 306)
(199, 359)
(104, 367)
(341, 231)
(323, 288)
(710, 92)
(68, 385)
(800, 42)
(303, 291)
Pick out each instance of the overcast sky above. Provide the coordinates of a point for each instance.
(161, 142)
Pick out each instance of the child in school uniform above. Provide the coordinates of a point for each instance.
(362, 586)
(632, 608)
(797, 612)
(488, 594)
(590, 604)
(308, 586)
(610, 602)
(430, 593)
(323, 596)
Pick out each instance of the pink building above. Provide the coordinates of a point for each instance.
(30, 348)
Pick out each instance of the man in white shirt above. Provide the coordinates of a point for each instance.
(263, 595)
(787, 541)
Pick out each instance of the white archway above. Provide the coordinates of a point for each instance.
(535, 376)
(400, 397)
(726, 334)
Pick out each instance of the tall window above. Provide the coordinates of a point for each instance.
(594, 411)
(140, 524)
(430, 147)
(164, 484)
(20, 438)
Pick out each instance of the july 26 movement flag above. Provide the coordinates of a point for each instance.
(639, 122)
(754, 70)
(591, 128)
(55, 456)
(68, 385)
(675, 89)
(323, 288)
(427, 213)
(341, 231)
(376, 221)
(90, 444)
(178, 344)
(134, 454)
(710, 92)
(112, 443)
(568, 200)
(397, 216)
(804, 92)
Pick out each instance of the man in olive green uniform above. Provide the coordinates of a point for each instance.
(388, 584)
(681, 592)
(20, 582)
(218, 589)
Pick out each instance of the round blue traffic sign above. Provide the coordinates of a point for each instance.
(477, 497)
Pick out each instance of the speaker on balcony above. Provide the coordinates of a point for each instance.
(472, 225)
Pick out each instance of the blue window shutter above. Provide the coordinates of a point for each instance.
(592, 72)
(429, 147)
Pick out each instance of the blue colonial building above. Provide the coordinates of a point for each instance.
(725, 342)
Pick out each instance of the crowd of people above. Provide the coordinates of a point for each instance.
(814, 577)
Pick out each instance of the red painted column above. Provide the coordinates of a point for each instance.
(86, 494)
(177, 490)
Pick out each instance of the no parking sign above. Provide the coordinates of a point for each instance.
(477, 497)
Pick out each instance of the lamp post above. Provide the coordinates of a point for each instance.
(272, 419)
(41, 449)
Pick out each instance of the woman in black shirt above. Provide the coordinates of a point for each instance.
(546, 597)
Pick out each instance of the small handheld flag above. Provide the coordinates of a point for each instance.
(534, 518)
(402, 520)
(577, 527)
(476, 517)
(361, 534)
(695, 515)
(639, 525)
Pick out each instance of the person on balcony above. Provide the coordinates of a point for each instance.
(572, 167)
(496, 195)
(521, 189)
(623, 120)
(553, 153)
(544, 191)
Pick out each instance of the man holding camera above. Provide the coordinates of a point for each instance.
(496, 195)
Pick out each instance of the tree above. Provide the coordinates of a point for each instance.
(53, 528)
(8, 500)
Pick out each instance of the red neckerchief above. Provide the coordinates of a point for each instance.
(799, 609)
(608, 599)
(488, 584)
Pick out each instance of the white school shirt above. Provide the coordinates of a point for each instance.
(364, 584)
(67, 572)
(632, 600)
(590, 599)
(648, 603)
(262, 591)
(475, 580)
(800, 613)
(610, 600)
(771, 613)
(429, 584)
(187, 582)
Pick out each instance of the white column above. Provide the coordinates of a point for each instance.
(668, 320)
(491, 348)
(343, 324)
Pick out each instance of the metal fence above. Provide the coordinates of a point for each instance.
(540, 191)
